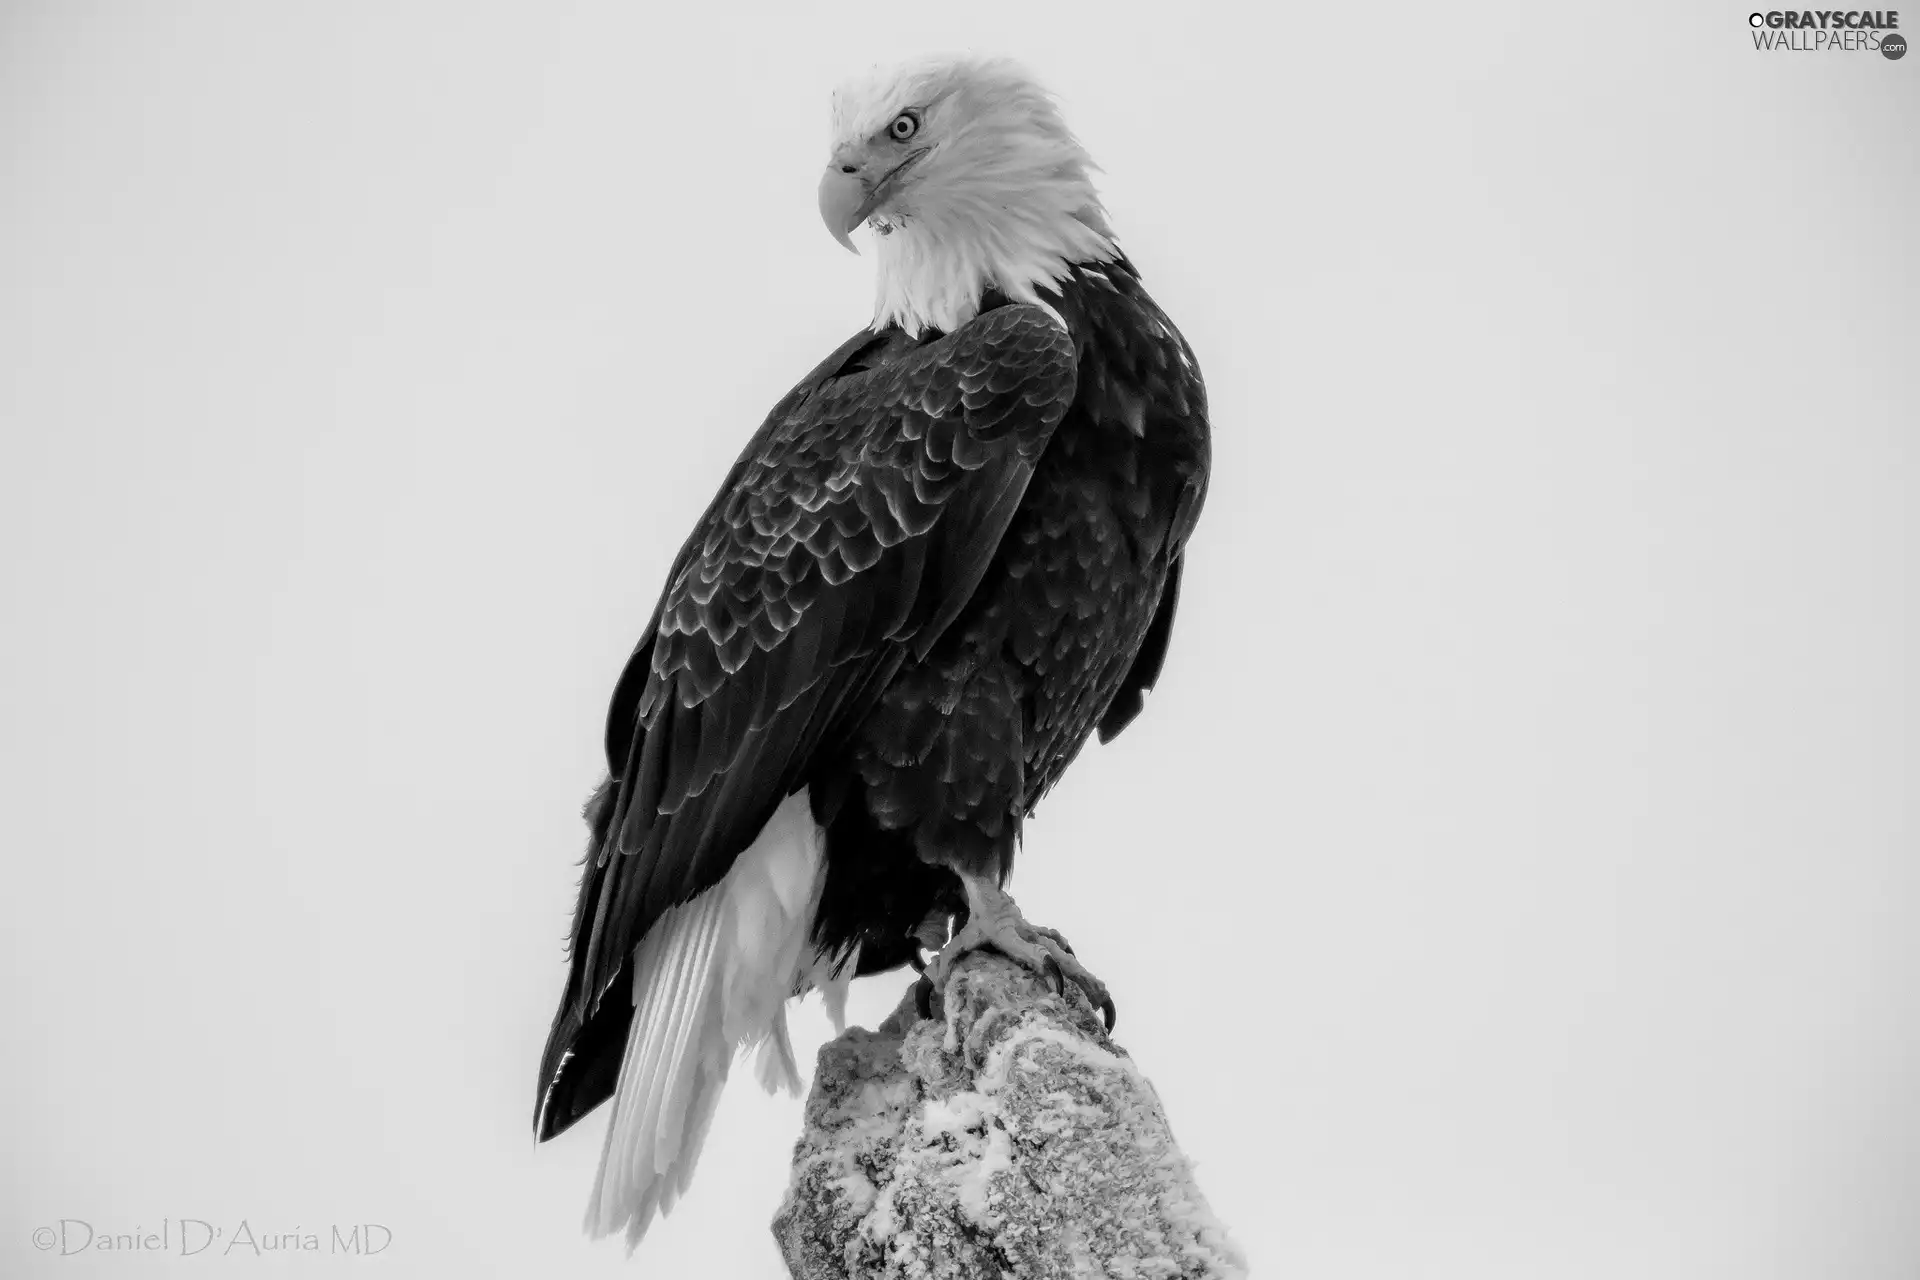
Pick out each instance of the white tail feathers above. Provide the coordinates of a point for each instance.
(712, 976)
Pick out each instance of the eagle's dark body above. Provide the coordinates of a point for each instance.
(941, 564)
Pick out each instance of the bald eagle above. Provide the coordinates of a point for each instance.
(949, 556)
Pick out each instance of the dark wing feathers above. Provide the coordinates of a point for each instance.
(1152, 361)
(853, 529)
(1145, 671)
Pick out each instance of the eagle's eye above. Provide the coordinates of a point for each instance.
(904, 126)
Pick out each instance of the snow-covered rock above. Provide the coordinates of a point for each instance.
(1010, 1139)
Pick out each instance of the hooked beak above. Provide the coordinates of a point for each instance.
(849, 199)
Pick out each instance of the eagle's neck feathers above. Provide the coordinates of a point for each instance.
(1015, 222)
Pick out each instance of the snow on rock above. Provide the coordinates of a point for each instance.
(1012, 1139)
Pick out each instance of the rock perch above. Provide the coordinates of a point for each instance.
(1010, 1139)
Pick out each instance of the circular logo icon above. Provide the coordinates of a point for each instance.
(1893, 46)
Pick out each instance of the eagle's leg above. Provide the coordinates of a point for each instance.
(993, 921)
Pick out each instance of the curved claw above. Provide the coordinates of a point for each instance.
(923, 997)
(1056, 976)
(1108, 1014)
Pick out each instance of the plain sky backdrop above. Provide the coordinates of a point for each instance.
(1514, 874)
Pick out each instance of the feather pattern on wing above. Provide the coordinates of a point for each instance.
(851, 532)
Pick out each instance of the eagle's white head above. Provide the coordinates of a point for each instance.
(971, 180)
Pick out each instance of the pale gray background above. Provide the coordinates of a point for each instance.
(1514, 875)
